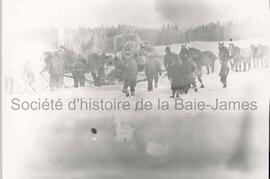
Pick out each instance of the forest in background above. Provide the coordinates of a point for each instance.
(101, 38)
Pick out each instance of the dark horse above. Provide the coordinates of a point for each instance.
(208, 60)
(201, 58)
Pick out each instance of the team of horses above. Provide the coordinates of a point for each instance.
(241, 59)
(201, 59)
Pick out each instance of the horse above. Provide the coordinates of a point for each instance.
(241, 57)
(246, 55)
(93, 63)
(203, 58)
(235, 54)
(208, 60)
(262, 55)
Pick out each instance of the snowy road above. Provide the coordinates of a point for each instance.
(138, 144)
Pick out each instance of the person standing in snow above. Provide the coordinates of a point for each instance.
(152, 70)
(130, 72)
(189, 73)
(224, 73)
(224, 57)
(78, 72)
(169, 60)
(177, 78)
(55, 66)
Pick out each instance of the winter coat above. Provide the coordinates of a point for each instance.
(119, 64)
(177, 77)
(169, 60)
(130, 71)
(152, 67)
(189, 71)
(140, 62)
(224, 70)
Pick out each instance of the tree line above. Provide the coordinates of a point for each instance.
(101, 38)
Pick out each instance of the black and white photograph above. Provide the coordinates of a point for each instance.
(135, 89)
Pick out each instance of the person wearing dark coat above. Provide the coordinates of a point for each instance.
(177, 78)
(189, 72)
(101, 70)
(78, 72)
(224, 71)
(130, 72)
(169, 60)
(119, 65)
(152, 70)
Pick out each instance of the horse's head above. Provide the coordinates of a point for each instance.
(184, 52)
(184, 45)
(184, 48)
(220, 45)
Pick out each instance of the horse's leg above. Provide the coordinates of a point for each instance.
(245, 66)
(213, 68)
(265, 62)
(240, 65)
(262, 62)
(232, 64)
(95, 78)
(200, 80)
(235, 64)
(75, 80)
(255, 63)
(249, 64)
(208, 69)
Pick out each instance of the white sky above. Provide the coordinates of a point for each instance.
(28, 14)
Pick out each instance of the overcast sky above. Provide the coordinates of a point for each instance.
(25, 14)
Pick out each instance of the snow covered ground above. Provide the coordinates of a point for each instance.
(142, 144)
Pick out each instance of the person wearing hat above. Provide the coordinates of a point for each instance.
(189, 69)
(177, 78)
(130, 72)
(169, 59)
(152, 70)
(78, 72)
